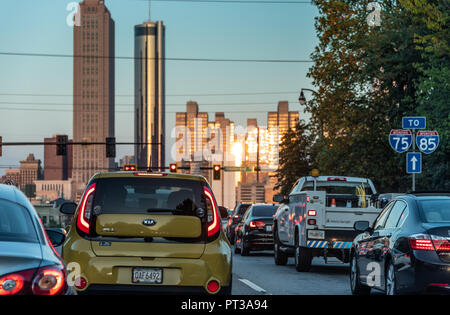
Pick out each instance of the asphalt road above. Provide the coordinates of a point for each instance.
(257, 274)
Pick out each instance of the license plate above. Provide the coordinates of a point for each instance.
(268, 228)
(147, 275)
(316, 234)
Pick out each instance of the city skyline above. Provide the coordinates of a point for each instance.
(229, 83)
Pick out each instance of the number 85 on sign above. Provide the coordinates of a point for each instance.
(400, 140)
(427, 141)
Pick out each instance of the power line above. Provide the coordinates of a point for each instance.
(117, 111)
(165, 58)
(180, 95)
(235, 1)
(129, 105)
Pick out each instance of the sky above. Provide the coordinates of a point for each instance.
(193, 30)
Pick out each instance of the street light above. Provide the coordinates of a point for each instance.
(302, 98)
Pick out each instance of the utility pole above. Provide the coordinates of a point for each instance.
(257, 158)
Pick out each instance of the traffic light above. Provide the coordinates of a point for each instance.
(216, 172)
(110, 147)
(129, 167)
(0, 146)
(61, 145)
(173, 168)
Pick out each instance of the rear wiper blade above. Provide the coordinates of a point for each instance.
(163, 210)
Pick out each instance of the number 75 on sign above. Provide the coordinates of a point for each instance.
(400, 140)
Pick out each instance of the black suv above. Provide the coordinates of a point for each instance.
(234, 220)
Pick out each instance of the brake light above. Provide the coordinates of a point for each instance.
(150, 174)
(421, 242)
(312, 213)
(331, 179)
(256, 224)
(11, 284)
(236, 216)
(441, 244)
(85, 210)
(312, 222)
(213, 216)
(49, 281)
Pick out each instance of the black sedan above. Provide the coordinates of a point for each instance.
(254, 232)
(406, 250)
(29, 263)
(234, 220)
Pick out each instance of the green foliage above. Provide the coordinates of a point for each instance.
(294, 158)
(368, 78)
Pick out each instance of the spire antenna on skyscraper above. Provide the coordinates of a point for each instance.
(149, 10)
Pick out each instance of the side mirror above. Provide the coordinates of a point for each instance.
(68, 208)
(362, 226)
(57, 237)
(223, 212)
(280, 199)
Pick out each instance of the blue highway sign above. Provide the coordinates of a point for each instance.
(427, 141)
(414, 122)
(413, 162)
(400, 140)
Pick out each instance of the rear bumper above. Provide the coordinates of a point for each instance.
(425, 274)
(188, 275)
(257, 240)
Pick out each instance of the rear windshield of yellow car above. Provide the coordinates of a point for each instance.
(147, 195)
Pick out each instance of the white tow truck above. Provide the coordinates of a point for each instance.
(317, 218)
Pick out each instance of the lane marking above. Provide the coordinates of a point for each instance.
(253, 286)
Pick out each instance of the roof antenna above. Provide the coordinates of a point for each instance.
(149, 11)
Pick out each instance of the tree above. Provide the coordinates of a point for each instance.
(294, 158)
(365, 79)
(434, 86)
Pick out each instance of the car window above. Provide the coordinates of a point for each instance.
(395, 214)
(379, 222)
(436, 210)
(264, 211)
(145, 195)
(16, 224)
(242, 208)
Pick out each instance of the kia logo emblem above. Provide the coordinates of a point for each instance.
(149, 222)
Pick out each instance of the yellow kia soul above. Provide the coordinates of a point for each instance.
(143, 232)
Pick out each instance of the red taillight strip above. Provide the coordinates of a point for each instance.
(151, 174)
(257, 224)
(213, 228)
(82, 224)
(312, 213)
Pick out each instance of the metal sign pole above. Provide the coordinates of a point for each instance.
(414, 150)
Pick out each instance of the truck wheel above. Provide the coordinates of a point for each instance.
(302, 257)
(355, 284)
(280, 257)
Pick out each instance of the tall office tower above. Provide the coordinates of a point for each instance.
(93, 90)
(192, 137)
(149, 91)
(278, 123)
(57, 167)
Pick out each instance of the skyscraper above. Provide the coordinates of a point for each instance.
(93, 89)
(149, 85)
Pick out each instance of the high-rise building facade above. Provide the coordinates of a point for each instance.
(93, 90)
(192, 133)
(149, 85)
